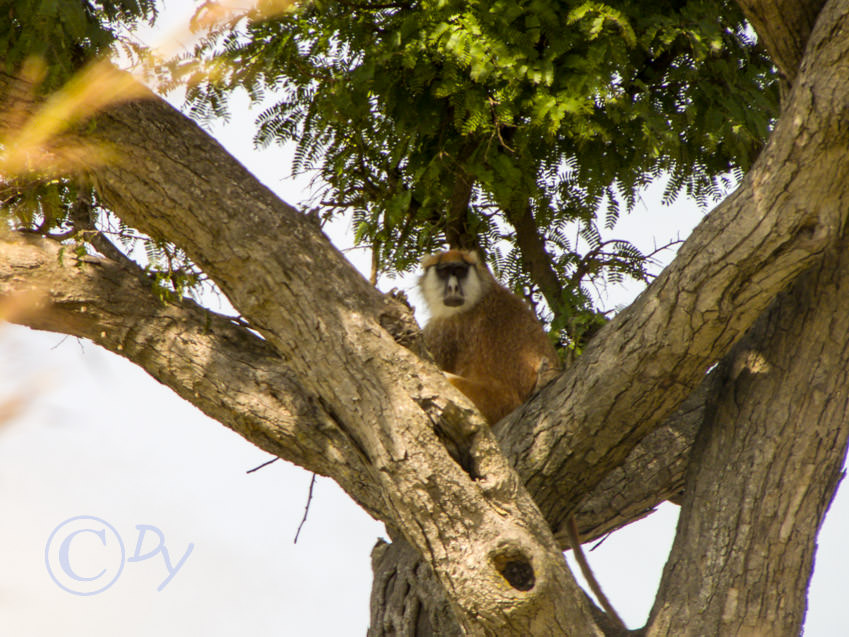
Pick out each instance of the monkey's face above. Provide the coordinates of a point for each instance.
(451, 283)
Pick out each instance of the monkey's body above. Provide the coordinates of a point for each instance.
(492, 348)
(490, 344)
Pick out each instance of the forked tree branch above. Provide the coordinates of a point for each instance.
(790, 209)
(479, 529)
(783, 26)
(113, 306)
(219, 366)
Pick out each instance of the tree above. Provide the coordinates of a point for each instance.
(716, 350)
(470, 119)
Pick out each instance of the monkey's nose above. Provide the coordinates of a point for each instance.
(453, 295)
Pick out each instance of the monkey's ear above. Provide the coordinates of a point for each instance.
(470, 257)
(429, 260)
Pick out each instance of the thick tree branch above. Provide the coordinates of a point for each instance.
(774, 444)
(652, 473)
(791, 207)
(655, 470)
(225, 370)
(476, 525)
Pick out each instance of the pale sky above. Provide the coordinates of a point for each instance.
(100, 438)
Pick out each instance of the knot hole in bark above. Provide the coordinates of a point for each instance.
(516, 568)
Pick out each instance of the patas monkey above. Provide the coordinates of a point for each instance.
(485, 337)
(492, 348)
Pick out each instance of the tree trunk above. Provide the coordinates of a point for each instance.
(335, 381)
(788, 211)
(406, 597)
(764, 469)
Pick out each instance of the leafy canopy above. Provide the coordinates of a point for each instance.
(523, 128)
(504, 125)
(49, 42)
(64, 34)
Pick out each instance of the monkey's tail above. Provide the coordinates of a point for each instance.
(575, 540)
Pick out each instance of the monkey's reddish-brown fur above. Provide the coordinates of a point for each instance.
(495, 348)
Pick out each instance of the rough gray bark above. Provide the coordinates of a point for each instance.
(790, 208)
(390, 414)
(406, 598)
(237, 378)
(764, 469)
(212, 361)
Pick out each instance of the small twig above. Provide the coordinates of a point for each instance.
(306, 508)
(62, 236)
(667, 246)
(264, 464)
(601, 541)
(575, 540)
(62, 340)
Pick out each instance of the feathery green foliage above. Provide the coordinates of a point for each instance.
(523, 128)
(445, 122)
(65, 34)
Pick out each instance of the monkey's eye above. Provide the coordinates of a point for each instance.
(446, 270)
